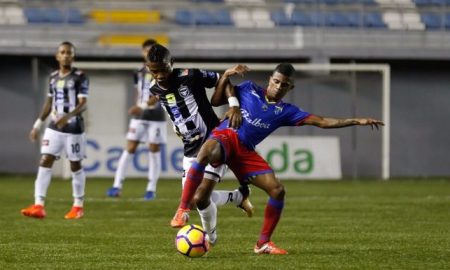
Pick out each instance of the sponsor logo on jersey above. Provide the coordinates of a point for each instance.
(278, 109)
(70, 83)
(45, 142)
(60, 84)
(257, 122)
(171, 100)
(184, 91)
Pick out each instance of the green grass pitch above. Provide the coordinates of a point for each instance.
(399, 224)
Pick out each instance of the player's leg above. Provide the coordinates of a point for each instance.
(194, 177)
(207, 209)
(51, 147)
(157, 135)
(76, 149)
(135, 131)
(272, 213)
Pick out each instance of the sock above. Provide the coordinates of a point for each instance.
(272, 214)
(41, 184)
(209, 220)
(193, 179)
(222, 197)
(78, 184)
(154, 170)
(121, 169)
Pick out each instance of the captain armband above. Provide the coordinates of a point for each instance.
(38, 124)
(233, 102)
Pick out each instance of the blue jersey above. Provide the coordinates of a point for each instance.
(261, 118)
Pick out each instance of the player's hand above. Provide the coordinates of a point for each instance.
(370, 122)
(238, 69)
(234, 116)
(135, 110)
(152, 102)
(34, 134)
(62, 122)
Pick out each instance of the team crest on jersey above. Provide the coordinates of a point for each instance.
(278, 109)
(184, 91)
(70, 83)
(264, 107)
(183, 72)
(207, 74)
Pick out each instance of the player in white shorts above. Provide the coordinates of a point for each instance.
(148, 125)
(67, 98)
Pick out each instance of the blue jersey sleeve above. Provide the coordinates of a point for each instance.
(296, 116)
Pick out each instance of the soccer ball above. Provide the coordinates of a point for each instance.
(191, 241)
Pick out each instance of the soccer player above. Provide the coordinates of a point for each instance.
(67, 97)
(263, 111)
(182, 94)
(148, 124)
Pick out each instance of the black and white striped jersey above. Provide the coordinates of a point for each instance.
(188, 106)
(142, 83)
(65, 91)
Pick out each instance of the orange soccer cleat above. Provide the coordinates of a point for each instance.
(35, 210)
(75, 213)
(269, 248)
(180, 219)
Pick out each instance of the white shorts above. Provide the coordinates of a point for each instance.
(54, 142)
(147, 131)
(215, 174)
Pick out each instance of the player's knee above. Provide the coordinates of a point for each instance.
(46, 161)
(200, 201)
(75, 166)
(278, 192)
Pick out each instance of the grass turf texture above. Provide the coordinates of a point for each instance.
(325, 225)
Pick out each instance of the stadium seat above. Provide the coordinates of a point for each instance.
(432, 20)
(184, 17)
(204, 17)
(307, 18)
(74, 16)
(35, 15)
(336, 19)
(130, 40)
(280, 18)
(223, 17)
(374, 20)
(447, 21)
(134, 16)
(53, 15)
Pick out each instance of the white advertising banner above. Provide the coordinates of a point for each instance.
(292, 157)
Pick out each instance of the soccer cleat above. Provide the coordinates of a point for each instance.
(75, 213)
(269, 248)
(35, 210)
(180, 219)
(246, 205)
(211, 238)
(149, 195)
(113, 192)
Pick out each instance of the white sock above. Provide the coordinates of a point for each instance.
(154, 170)
(121, 169)
(78, 184)
(209, 220)
(222, 197)
(41, 184)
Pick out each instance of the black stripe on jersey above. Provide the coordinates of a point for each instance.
(66, 98)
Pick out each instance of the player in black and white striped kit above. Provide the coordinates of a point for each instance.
(67, 98)
(148, 125)
(183, 95)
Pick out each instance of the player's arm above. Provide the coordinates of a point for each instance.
(81, 107)
(329, 122)
(46, 109)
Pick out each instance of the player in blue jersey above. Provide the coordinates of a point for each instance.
(147, 125)
(263, 111)
(66, 100)
(182, 93)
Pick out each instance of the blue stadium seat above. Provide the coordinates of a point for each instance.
(422, 2)
(355, 18)
(447, 20)
(54, 15)
(74, 16)
(223, 17)
(280, 18)
(336, 19)
(307, 18)
(184, 17)
(204, 17)
(432, 20)
(35, 15)
(374, 20)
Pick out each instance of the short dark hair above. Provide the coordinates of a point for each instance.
(149, 42)
(67, 43)
(159, 54)
(285, 68)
